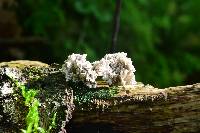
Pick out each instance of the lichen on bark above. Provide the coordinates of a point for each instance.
(53, 94)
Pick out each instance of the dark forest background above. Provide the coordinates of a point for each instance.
(161, 36)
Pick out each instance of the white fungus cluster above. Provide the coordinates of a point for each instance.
(115, 69)
(77, 68)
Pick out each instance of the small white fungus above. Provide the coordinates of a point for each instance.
(6, 89)
(115, 69)
(77, 68)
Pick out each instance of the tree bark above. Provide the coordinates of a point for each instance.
(173, 109)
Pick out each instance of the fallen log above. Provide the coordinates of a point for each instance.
(122, 109)
(173, 109)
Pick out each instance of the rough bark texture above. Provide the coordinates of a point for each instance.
(177, 111)
(139, 108)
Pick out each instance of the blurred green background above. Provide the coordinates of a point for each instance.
(161, 36)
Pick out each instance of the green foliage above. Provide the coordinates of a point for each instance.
(161, 37)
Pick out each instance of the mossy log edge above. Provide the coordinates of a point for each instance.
(145, 110)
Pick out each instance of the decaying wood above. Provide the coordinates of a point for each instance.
(173, 109)
(140, 108)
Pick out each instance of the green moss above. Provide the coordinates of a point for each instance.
(84, 96)
(32, 118)
(52, 92)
